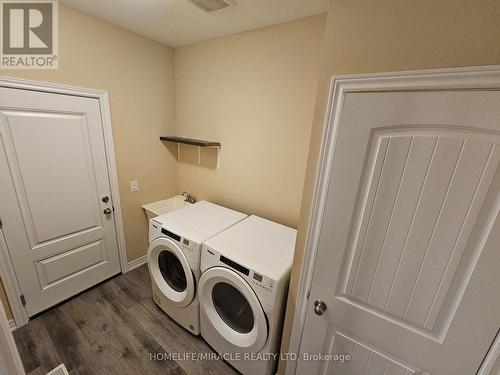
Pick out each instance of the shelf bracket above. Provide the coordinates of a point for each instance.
(218, 157)
(194, 142)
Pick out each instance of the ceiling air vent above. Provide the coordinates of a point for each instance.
(212, 6)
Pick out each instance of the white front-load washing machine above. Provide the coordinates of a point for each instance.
(242, 291)
(173, 255)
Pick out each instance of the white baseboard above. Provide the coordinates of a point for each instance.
(12, 324)
(137, 262)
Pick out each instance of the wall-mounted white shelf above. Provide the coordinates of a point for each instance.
(193, 142)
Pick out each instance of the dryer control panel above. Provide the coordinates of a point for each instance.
(262, 282)
(259, 282)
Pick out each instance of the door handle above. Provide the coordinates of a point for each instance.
(107, 211)
(319, 307)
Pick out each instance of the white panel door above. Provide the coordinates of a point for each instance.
(408, 261)
(59, 230)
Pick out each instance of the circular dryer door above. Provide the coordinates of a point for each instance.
(171, 272)
(233, 309)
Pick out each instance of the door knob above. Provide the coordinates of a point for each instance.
(105, 199)
(107, 211)
(319, 307)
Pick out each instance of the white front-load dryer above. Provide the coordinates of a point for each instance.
(242, 291)
(173, 255)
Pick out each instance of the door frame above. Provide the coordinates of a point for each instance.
(8, 348)
(7, 272)
(477, 77)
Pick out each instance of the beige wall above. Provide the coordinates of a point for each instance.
(254, 92)
(138, 74)
(376, 36)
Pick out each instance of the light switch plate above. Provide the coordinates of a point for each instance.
(134, 185)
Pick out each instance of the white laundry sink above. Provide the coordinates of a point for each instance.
(162, 207)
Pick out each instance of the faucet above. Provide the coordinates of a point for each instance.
(187, 197)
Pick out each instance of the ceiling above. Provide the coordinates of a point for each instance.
(179, 22)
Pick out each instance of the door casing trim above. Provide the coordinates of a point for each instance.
(468, 78)
(7, 272)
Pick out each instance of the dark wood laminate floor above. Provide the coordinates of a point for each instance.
(111, 329)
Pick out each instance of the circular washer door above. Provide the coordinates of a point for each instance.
(233, 309)
(170, 271)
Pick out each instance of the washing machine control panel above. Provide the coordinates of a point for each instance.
(188, 245)
(156, 230)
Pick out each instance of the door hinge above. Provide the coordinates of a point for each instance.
(1, 224)
(23, 300)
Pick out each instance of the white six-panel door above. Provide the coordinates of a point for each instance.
(59, 231)
(408, 259)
